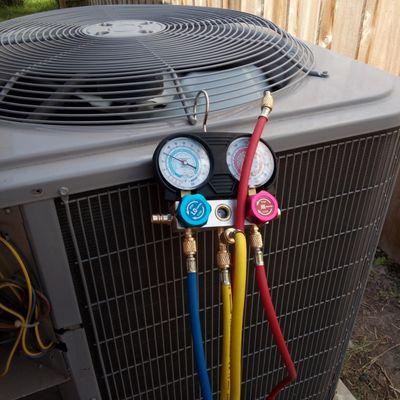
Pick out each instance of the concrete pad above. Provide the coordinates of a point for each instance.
(342, 393)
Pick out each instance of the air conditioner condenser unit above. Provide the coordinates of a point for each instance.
(86, 95)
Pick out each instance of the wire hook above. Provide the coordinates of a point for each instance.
(207, 97)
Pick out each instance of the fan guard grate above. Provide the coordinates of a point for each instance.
(131, 64)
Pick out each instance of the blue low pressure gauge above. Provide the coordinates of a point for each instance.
(183, 163)
(193, 210)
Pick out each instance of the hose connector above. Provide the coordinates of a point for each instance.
(223, 258)
(223, 255)
(256, 244)
(189, 250)
(267, 104)
(228, 236)
(165, 219)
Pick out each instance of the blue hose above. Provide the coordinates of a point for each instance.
(194, 319)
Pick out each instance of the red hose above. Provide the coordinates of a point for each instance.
(245, 174)
(260, 271)
(276, 331)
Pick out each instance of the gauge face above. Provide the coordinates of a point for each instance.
(263, 164)
(184, 163)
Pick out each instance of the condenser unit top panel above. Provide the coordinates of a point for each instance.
(133, 64)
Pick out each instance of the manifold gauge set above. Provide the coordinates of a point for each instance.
(219, 180)
(201, 172)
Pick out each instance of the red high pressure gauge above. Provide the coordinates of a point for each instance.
(263, 167)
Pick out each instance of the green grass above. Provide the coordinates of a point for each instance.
(28, 7)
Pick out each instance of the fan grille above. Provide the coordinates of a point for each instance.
(129, 64)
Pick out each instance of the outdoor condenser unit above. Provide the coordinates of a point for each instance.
(85, 96)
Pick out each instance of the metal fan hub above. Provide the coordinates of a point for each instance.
(124, 28)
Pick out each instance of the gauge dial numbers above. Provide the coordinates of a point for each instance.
(184, 163)
(263, 167)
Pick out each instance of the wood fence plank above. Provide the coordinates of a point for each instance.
(384, 51)
(293, 17)
(367, 30)
(216, 3)
(234, 4)
(253, 7)
(393, 65)
(346, 27)
(308, 20)
(277, 11)
(327, 14)
(268, 12)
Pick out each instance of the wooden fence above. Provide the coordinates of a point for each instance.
(367, 30)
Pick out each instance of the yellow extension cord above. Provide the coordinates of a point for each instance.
(226, 291)
(239, 293)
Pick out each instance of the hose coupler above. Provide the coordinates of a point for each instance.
(162, 219)
(256, 244)
(267, 104)
(189, 250)
(223, 256)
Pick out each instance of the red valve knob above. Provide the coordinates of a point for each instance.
(262, 208)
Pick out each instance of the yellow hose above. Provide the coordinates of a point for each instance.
(226, 290)
(239, 294)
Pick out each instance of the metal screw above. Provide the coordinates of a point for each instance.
(7, 211)
(63, 191)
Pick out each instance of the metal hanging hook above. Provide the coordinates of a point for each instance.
(207, 97)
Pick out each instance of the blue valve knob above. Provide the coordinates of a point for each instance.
(193, 210)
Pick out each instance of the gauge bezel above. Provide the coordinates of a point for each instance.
(273, 176)
(156, 165)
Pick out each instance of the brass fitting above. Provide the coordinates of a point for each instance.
(228, 236)
(256, 243)
(223, 255)
(267, 104)
(161, 219)
(189, 244)
(189, 250)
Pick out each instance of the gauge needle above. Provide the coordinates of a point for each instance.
(184, 162)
